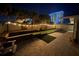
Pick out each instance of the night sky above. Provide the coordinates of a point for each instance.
(46, 8)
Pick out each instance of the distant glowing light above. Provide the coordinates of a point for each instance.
(19, 24)
(9, 22)
(23, 25)
(26, 25)
(14, 24)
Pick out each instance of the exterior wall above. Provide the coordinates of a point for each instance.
(13, 27)
(1, 28)
(65, 27)
(76, 29)
(9, 28)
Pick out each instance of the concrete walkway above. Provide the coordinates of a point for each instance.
(61, 46)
